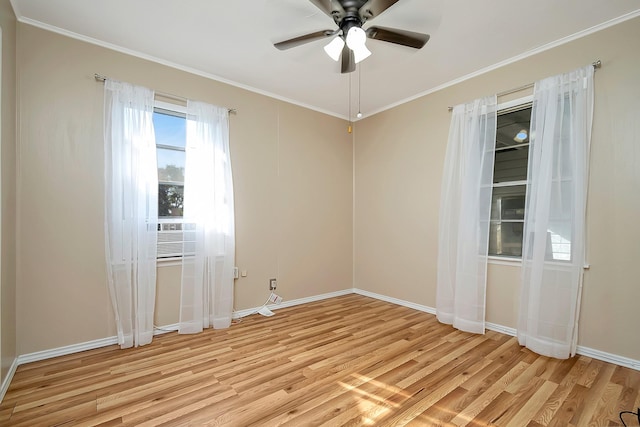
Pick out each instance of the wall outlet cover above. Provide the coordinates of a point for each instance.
(274, 298)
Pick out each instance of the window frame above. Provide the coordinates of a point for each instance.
(504, 108)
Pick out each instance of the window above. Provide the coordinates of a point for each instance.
(510, 180)
(170, 129)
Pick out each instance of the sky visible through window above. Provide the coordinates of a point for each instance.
(170, 132)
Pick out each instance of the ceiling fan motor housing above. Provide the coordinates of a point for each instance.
(350, 13)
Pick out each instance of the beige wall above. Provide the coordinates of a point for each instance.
(8, 203)
(292, 170)
(399, 158)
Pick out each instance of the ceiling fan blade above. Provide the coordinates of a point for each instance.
(373, 8)
(297, 41)
(332, 8)
(348, 60)
(401, 37)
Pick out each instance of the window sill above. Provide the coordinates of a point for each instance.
(503, 260)
(517, 262)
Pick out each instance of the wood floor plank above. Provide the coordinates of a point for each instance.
(441, 412)
(591, 374)
(497, 388)
(532, 405)
(570, 406)
(607, 404)
(350, 361)
(552, 405)
(595, 393)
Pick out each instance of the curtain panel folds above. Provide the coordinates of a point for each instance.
(553, 252)
(465, 208)
(209, 230)
(131, 209)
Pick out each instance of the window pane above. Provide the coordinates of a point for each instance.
(507, 220)
(171, 166)
(170, 199)
(170, 130)
(559, 240)
(511, 156)
(505, 238)
(507, 203)
(511, 164)
(513, 128)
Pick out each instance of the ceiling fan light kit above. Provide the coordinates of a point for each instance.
(350, 16)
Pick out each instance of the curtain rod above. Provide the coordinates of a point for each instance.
(102, 78)
(597, 64)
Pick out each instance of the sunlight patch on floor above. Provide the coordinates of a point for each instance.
(374, 405)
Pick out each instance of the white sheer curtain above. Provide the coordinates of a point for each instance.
(131, 209)
(465, 208)
(209, 250)
(553, 253)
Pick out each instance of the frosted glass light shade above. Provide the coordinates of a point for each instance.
(334, 48)
(361, 53)
(356, 40)
(356, 37)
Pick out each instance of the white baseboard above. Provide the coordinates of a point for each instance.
(68, 349)
(159, 330)
(306, 300)
(608, 357)
(396, 301)
(88, 345)
(7, 380)
(502, 329)
(290, 303)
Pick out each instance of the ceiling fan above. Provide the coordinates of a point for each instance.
(350, 40)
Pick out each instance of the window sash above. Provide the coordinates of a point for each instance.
(506, 108)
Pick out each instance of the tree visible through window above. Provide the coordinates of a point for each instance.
(171, 192)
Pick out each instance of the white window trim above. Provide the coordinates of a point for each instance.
(514, 103)
(170, 107)
(504, 260)
(509, 184)
(517, 262)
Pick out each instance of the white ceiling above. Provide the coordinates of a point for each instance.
(232, 41)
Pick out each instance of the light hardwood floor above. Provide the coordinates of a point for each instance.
(350, 360)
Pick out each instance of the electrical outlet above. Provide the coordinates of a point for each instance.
(273, 284)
